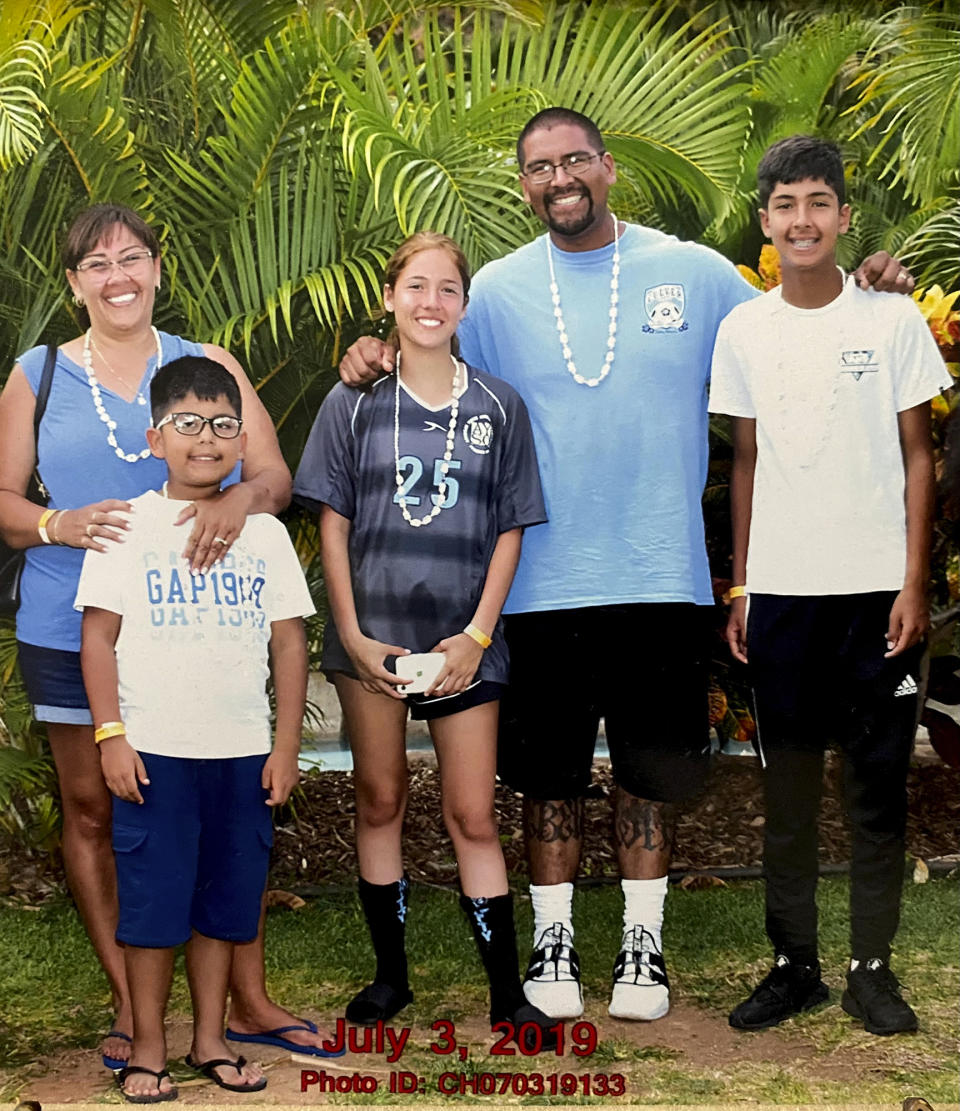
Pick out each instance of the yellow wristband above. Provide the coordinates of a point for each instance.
(737, 592)
(478, 635)
(109, 729)
(42, 525)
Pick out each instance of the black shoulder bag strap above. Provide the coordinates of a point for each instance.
(43, 393)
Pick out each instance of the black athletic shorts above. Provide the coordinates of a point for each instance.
(819, 675)
(445, 705)
(642, 667)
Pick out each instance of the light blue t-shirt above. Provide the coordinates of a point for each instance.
(623, 464)
(78, 467)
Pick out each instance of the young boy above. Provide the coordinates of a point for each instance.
(832, 492)
(175, 668)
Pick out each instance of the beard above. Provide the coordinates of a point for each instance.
(569, 226)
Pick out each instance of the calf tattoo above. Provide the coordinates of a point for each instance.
(553, 821)
(640, 822)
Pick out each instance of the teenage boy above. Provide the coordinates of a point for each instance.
(832, 495)
(175, 667)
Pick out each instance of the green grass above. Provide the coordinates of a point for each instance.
(53, 996)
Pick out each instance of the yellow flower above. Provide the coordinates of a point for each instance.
(942, 318)
(751, 275)
(770, 266)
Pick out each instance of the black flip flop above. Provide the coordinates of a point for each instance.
(209, 1070)
(160, 1097)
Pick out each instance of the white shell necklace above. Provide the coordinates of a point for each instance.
(612, 326)
(441, 495)
(127, 456)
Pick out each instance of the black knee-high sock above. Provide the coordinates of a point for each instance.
(496, 938)
(385, 908)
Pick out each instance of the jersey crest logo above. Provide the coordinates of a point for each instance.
(858, 363)
(478, 434)
(664, 305)
(432, 426)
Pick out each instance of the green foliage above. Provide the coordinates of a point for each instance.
(911, 80)
(28, 812)
(283, 148)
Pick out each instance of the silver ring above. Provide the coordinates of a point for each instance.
(219, 540)
(89, 527)
(902, 276)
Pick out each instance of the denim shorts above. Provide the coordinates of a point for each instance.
(54, 684)
(194, 855)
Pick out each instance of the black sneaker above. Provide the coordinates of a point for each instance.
(873, 996)
(786, 990)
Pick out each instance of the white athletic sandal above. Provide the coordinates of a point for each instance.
(552, 982)
(641, 990)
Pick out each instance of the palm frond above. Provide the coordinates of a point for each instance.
(673, 112)
(23, 70)
(911, 84)
(930, 248)
(85, 116)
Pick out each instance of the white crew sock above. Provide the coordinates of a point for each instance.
(552, 902)
(553, 985)
(643, 905)
(638, 989)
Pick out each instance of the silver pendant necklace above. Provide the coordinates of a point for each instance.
(126, 456)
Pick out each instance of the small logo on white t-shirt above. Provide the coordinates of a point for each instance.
(664, 306)
(908, 685)
(858, 362)
(478, 434)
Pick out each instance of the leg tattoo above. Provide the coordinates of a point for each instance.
(552, 821)
(647, 825)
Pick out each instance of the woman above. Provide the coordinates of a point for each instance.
(92, 455)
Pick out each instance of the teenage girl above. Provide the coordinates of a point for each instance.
(424, 486)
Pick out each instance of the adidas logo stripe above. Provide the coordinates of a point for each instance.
(907, 686)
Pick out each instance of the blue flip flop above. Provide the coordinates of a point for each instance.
(275, 1037)
(115, 1064)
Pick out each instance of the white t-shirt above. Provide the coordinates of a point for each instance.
(825, 387)
(192, 653)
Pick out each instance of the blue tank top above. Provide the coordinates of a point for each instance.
(78, 467)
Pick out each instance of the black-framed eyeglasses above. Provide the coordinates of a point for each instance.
(101, 267)
(575, 164)
(191, 424)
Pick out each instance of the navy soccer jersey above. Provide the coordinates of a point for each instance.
(415, 586)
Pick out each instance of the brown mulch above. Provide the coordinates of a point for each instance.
(723, 829)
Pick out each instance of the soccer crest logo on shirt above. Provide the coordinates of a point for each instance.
(478, 434)
(664, 305)
(858, 363)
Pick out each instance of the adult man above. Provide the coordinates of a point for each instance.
(611, 595)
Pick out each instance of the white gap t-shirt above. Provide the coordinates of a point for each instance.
(192, 653)
(825, 387)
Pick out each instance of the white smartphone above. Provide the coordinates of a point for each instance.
(419, 670)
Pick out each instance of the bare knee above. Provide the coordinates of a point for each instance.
(476, 826)
(87, 815)
(380, 805)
